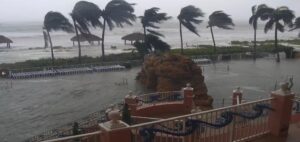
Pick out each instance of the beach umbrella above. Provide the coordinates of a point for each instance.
(133, 37)
(86, 37)
(6, 40)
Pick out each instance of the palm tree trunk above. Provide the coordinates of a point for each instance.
(181, 40)
(213, 38)
(78, 40)
(254, 47)
(276, 44)
(145, 39)
(102, 44)
(45, 38)
(51, 46)
(145, 34)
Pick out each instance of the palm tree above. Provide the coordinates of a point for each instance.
(221, 20)
(188, 18)
(116, 13)
(256, 14)
(296, 25)
(150, 18)
(276, 17)
(85, 14)
(55, 21)
(154, 45)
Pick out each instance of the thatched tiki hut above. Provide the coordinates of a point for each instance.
(133, 37)
(6, 40)
(87, 37)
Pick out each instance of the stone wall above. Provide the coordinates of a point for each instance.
(171, 72)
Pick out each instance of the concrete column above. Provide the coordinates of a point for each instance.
(109, 132)
(132, 102)
(282, 104)
(188, 94)
(237, 96)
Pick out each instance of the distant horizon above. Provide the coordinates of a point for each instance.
(138, 21)
(35, 10)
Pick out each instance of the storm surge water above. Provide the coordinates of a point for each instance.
(28, 39)
(30, 107)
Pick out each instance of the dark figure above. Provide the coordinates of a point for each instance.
(76, 129)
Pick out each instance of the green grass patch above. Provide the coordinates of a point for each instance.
(205, 50)
(61, 62)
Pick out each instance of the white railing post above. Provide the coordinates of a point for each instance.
(237, 96)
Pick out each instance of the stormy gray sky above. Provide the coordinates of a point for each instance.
(34, 10)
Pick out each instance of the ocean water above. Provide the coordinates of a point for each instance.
(28, 39)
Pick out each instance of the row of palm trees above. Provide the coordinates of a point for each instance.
(119, 12)
(278, 18)
(85, 15)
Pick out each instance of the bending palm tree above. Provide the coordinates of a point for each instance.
(150, 18)
(275, 16)
(296, 25)
(188, 17)
(256, 14)
(116, 13)
(155, 44)
(85, 14)
(55, 21)
(221, 20)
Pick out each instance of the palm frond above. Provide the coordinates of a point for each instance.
(282, 13)
(118, 13)
(155, 33)
(286, 15)
(154, 42)
(87, 14)
(264, 12)
(296, 24)
(56, 21)
(221, 20)
(269, 25)
(253, 21)
(280, 27)
(253, 9)
(256, 14)
(189, 17)
(190, 27)
(81, 23)
(152, 16)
